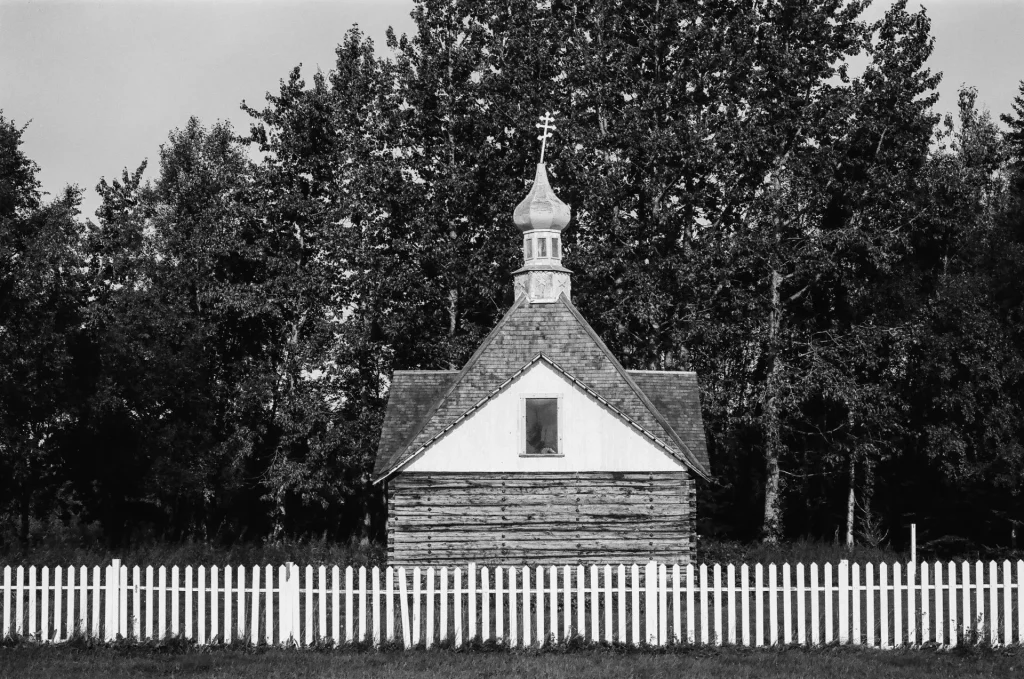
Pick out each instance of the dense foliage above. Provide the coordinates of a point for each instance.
(209, 359)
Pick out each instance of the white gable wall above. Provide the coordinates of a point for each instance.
(593, 437)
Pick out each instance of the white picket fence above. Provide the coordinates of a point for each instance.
(883, 606)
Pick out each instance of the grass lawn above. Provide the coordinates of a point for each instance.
(24, 661)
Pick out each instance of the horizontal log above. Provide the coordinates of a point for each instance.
(485, 520)
(589, 497)
(540, 481)
(409, 477)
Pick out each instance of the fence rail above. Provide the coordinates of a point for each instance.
(883, 606)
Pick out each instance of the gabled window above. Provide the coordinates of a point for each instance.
(541, 431)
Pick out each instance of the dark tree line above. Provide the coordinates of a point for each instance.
(209, 357)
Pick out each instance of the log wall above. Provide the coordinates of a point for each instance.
(540, 518)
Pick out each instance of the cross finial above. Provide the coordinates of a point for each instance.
(545, 124)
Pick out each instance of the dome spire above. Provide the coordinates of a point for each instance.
(541, 216)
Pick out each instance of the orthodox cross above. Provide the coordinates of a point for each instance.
(545, 124)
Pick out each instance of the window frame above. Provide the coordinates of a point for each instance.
(560, 421)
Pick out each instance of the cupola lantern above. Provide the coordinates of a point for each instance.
(541, 216)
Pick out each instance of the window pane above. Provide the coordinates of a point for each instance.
(542, 249)
(542, 426)
(554, 248)
(529, 248)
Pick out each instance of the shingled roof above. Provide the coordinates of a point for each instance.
(559, 332)
(677, 397)
(412, 394)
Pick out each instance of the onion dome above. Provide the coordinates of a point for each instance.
(541, 209)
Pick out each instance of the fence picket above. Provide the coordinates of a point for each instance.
(416, 623)
(162, 600)
(953, 626)
(843, 590)
(581, 609)
(389, 603)
(827, 578)
(403, 601)
(979, 599)
(375, 577)
(239, 600)
(513, 611)
(940, 637)
(188, 600)
(31, 599)
(883, 605)
(150, 602)
(553, 599)
(662, 604)
(595, 612)
(801, 606)
(7, 603)
(773, 605)
(284, 616)
(457, 594)
(677, 632)
(925, 605)
(444, 605)
(787, 606)
(349, 632)
(526, 607)
(566, 603)
(321, 630)
(254, 632)
(175, 601)
(609, 636)
(965, 589)
(717, 574)
(730, 585)
(993, 605)
(362, 604)
(911, 604)
(485, 603)
(691, 625)
(855, 605)
(869, 584)
(897, 605)
(430, 606)
(758, 606)
(214, 604)
(269, 613)
(96, 585)
(815, 618)
(1007, 605)
(650, 603)
(499, 609)
(745, 599)
(70, 627)
(136, 603)
(44, 622)
(540, 603)
(622, 603)
(705, 627)
(58, 587)
(471, 602)
(201, 620)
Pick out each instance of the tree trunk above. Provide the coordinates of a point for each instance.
(771, 531)
(851, 501)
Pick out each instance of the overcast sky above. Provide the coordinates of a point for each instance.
(104, 82)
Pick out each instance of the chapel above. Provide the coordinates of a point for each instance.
(542, 449)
